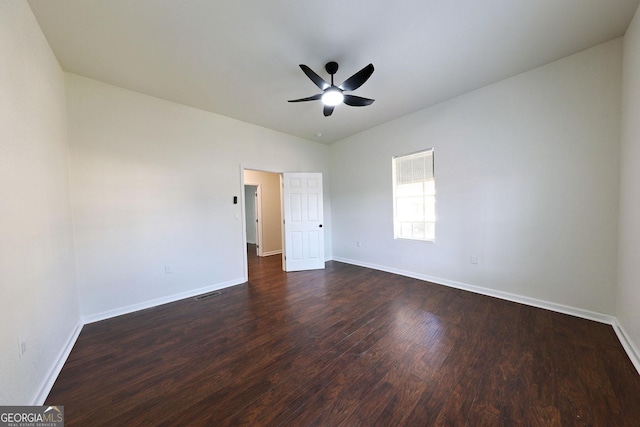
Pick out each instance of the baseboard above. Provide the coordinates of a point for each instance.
(108, 314)
(627, 344)
(54, 371)
(560, 308)
(272, 253)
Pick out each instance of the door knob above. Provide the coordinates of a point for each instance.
(320, 226)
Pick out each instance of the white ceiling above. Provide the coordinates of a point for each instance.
(239, 58)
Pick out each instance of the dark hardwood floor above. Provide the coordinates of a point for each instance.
(346, 346)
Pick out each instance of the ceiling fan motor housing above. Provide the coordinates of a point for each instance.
(331, 67)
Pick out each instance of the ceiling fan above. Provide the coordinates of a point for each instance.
(333, 95)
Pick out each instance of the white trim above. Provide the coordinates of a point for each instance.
(243, 217)
(278, 252)
(158, 301)
(54, 371)
(627, 344)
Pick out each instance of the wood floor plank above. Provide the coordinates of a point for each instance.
(346, 346)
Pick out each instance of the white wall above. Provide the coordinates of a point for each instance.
(153, 185)
(37, 281)
(526, 179)
(628, 309)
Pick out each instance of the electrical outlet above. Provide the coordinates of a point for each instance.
(474, 259)
(358, 243)
(167, 269)
(22, 346)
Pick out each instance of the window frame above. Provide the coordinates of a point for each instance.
(424, 194)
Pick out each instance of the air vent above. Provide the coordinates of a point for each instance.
(208, 295)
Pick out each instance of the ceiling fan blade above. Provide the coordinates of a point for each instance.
(310, 98)
(319, 81)
(358, 79)
(357, 101)
(328, 109)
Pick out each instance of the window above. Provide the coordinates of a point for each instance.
(414, 196)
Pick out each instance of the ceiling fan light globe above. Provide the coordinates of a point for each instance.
(332, 97)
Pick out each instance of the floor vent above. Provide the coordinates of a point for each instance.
(209, 295)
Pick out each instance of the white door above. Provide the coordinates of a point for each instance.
(303, 221)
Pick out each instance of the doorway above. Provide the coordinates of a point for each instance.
(263, 212)
(251, 215)
(296, 198)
